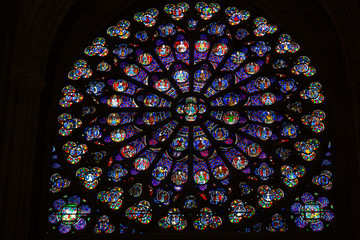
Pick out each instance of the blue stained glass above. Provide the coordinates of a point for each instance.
(95, 88)
(167, 30)
(259, 84)
(258, 131)
(199, 165)
(162, 169)
(216, 29)
(122, 51)
(241, 34)
(210, 92)
(235, 60)
(142, 36)
(192, 23)
(241, 75)
(260, 48)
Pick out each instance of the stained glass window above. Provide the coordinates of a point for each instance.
(191, 117)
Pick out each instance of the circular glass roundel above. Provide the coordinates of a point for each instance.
(193, 116)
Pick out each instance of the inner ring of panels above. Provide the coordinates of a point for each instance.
(191, 117)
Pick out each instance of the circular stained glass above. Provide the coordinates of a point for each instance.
(202, 46)
(220, 49)
(220, 84)
(118, 135)
(120, 85)
(162, 85)
(145, 59)
(181, 76)
(181, 46)
(192, 116)
(201, 177)
(141, 164)
(163, 50)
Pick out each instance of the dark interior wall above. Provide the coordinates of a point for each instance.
(43, 38)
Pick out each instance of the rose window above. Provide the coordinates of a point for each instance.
(191, 117)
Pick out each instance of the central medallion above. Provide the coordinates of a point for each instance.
(190, 108)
